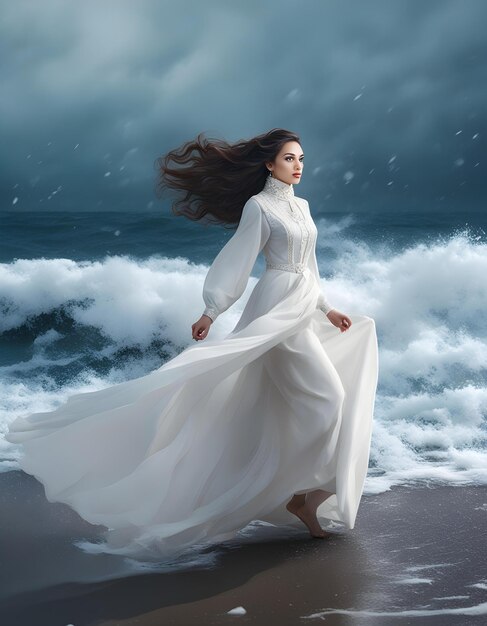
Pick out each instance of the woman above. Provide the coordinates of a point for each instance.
(271, 423)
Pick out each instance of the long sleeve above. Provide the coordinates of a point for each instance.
(323, 303)
(229, 273)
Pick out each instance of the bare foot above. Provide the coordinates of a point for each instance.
(308, 517)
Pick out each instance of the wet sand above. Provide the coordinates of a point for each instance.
(416, 556)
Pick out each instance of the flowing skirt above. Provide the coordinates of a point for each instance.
(221, 435)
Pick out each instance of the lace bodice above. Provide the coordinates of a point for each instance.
(293, 232)
(280, 225)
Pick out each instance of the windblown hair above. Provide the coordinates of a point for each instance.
(217, 177)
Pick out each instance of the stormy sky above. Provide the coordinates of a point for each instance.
(389, 96)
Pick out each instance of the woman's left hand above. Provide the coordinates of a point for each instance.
(340, 320)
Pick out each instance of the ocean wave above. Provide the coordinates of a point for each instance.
(69, 326)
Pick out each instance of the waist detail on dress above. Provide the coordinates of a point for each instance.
(298, 268)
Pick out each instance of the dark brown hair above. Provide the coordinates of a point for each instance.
(219, 178)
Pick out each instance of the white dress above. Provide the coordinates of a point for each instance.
(228, 430)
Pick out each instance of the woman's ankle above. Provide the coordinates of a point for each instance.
(298, 500)
(317, 497)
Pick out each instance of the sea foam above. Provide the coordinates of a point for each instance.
(70, 326)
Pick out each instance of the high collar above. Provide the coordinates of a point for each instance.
(278, 188)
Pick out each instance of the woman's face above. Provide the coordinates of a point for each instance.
(288, 163)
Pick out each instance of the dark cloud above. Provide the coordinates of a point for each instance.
(388, 96)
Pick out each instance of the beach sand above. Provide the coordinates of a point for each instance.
(417, 555)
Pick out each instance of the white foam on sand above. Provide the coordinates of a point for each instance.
(418, 568)
(238, 610)
(478, 609)
(480, 585)
(414, 581)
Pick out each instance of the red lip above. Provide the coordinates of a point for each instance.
(296, 175)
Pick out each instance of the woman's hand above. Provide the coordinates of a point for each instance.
(201, 327)
(340, 320)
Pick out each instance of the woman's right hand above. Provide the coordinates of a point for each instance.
(201, 327)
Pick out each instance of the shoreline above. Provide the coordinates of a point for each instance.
(412, 549)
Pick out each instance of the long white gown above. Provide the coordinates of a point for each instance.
(228, 430)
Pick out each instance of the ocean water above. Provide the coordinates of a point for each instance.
(94, 298)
